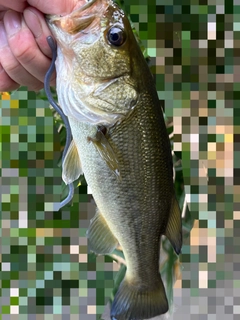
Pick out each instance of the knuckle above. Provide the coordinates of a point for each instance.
(8, 62)
(23, 47)
(8, 85)
(24, 55)
(36, 87)
(12, 68)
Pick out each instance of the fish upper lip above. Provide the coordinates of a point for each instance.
(75, 13)
(88, 4)
(82, 18)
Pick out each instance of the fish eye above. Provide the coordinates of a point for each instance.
(116, 36)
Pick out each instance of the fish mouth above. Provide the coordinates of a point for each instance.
(85, 18)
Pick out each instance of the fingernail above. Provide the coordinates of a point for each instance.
(33, 22)
(3, 37)
(12, 22)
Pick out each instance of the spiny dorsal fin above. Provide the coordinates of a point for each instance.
(71, 167)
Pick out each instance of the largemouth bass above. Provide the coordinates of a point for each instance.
(120, 143)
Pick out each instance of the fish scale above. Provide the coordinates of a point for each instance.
(128, 164)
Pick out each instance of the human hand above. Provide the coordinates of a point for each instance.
(24, 52)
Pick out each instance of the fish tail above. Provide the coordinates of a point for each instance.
(133, 302)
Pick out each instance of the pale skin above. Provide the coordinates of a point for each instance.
(24, 52)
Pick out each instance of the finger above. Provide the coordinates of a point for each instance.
(24, 48)
(37, 24)
(56, 6)
(6, 83)
(18, 5)
(2, 13)
(11, 65)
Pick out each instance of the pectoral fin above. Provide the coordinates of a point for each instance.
(174, 226)
(101, 240)
(105, 150)
(71, 167)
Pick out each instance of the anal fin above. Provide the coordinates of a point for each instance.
(71, 167)
(174, 227)
(100, 237)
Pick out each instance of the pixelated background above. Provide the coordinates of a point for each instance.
(46, 271)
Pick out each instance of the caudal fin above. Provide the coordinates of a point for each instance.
(136, 303)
